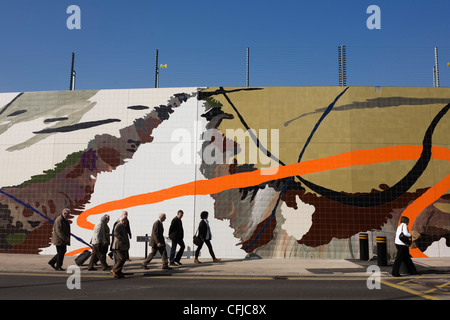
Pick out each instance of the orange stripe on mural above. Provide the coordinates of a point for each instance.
(246, 179)
(428, 198)
(77, 251)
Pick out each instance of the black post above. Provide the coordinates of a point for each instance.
(156, 70)
(342, 66)
(248, 67)
(381, 251)
(72, 73)
(146, 245)
(363, 246)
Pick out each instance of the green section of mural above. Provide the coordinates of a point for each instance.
(16, 238)
(48, 175)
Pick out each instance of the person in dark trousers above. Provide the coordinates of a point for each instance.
(121, 245)
(100, 242)
(157, 243)
(205, 235)
(176, 234)
(403, 250)
(126, 223)
(61, 239)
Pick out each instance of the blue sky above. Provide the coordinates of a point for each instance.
(203, 43)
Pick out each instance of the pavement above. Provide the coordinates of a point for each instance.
(249, 267)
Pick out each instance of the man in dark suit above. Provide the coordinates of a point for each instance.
(176, 234)
(61, 239)
(157, 243)
(121, 245)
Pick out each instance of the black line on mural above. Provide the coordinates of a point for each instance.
(383, 102)
(55, 119)
(138, 107)
(394, 192)
(203, 95)
(252, 135)
(10, 103)
(78, 126)
(16, 113)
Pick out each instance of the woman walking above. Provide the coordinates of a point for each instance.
(403, 249)
(204, 233)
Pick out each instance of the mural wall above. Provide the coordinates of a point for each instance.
(285, 172)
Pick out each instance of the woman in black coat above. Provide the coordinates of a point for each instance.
(204, 233)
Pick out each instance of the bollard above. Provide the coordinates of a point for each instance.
(363, 246)
(381, 251)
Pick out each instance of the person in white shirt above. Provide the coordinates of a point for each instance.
(403, 249)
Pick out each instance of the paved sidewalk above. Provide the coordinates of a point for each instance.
(230, 267)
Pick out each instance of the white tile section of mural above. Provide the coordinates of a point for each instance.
(151, 169)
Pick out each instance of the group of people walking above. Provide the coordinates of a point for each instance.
(118, 241)
(176, 234)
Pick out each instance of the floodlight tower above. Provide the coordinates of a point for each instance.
(342, 66)
(72, 73)
(156, 70)
(436, 68)
(248, 66)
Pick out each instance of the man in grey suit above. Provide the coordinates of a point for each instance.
(157, 243)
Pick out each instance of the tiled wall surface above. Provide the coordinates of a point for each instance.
(285, 172)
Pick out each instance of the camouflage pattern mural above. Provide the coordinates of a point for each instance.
(286, 172)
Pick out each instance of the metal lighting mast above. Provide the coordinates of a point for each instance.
(72, 73)
(436, 68)
(156, 70)
(342, 66)
(248, 66)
